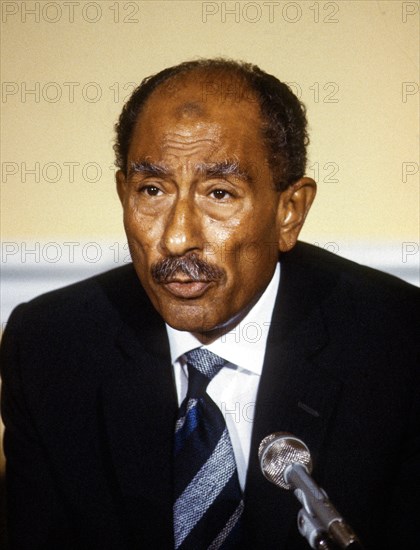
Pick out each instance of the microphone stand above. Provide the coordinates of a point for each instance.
(318, 520)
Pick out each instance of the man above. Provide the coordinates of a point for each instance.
(98, 377)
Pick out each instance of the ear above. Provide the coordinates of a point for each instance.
(294, 204)
(121, 185)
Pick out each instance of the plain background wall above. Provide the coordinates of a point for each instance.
(67, 68)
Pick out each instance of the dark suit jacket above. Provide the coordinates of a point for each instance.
(89, 406)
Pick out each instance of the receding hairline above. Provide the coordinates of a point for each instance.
(229, 84)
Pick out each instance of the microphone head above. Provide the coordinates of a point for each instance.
(277, 451)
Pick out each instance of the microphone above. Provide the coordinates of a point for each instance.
(286, 461)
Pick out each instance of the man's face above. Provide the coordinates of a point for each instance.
(201, 213)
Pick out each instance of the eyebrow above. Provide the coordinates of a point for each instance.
(148, 169)
(208, 170)
(223, 169)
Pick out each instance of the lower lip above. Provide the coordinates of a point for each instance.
(194, 289)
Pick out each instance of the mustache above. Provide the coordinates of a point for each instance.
(192, 266)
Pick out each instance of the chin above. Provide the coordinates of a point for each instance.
(189, 318)
(190, 324)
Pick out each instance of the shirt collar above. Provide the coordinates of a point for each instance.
(245, 344)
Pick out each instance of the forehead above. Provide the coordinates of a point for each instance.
(218, 109)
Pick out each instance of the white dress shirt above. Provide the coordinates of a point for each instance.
(234, 388)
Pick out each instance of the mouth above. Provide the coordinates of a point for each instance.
(187, 289)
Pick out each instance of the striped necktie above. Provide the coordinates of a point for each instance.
(208, 498)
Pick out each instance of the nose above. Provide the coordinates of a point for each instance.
(182, 229)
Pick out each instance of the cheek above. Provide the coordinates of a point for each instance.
(140, 225)
(143, 234)
(223, 239)
(250, 254)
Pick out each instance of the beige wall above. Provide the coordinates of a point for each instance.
(355, 64)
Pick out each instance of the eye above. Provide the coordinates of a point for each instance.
(220, 194)
(150, 190)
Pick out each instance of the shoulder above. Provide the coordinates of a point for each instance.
(351, 290)
(87, 288)
(101, 302)
(324, 265)
(69, 338)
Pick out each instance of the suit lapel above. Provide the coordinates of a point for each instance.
(138, 409)
(297, 394)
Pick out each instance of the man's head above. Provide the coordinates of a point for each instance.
(211, 157)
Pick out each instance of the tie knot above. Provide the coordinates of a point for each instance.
(203, 365)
